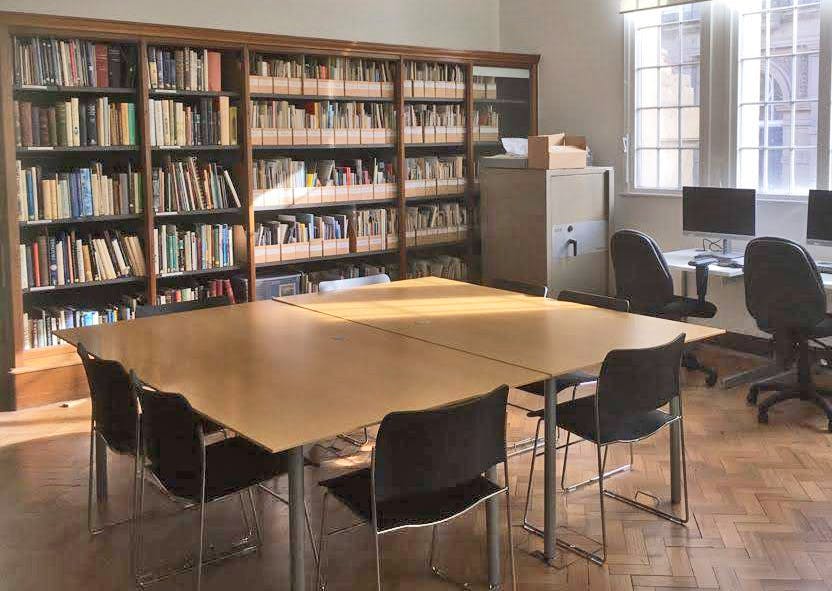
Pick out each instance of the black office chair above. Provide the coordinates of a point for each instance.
(529, 289)
(428, 467)
(643, 278)
(633, 386)
(145, 310)
(114, 419)
(784, 293)
(175, 452)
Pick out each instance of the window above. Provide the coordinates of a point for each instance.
(666, 99)
(777, 95)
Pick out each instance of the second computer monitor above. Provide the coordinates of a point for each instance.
(718, 212)
(819, 221)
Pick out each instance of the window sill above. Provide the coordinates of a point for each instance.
(790, 199)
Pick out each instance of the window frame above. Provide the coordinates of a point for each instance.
(629, 140)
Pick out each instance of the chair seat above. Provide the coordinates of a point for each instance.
(232, 465)
(682, 307)
(354, 490)
(822, 330)
(578, 417)
(562, 382)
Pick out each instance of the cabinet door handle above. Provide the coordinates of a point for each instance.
(574, 244)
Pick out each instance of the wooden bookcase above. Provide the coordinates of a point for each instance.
(32, 377)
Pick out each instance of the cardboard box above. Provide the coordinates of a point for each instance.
(361, 192)
(328, 194)
(262, 84)
(388, 91)
(294, 86)
(280, 85)
(327, 136)
(328, 87)
(310, 86)
(330, 248)
(284, 136)
(558, 150)
(256, 136)
(268, 136)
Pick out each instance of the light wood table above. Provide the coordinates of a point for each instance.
(540, 334)
(283, 377)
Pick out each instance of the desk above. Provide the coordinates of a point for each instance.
(678, 260)
(540, 334)
(269, 372)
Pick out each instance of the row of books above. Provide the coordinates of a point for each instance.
(47, 61)
(67, 258)
(201, 247)
(322, 76)
(434, 123)
(39, 324)
(278, 123)
(434, 175)
(75, 122)
(486, 124)
(184, 68)
(434, 80)
(436, 223)
(78, 193)
(305, 236)
(207, 122)
(282, 181)
(446, 266)
(191, 185)
(197, 291)
(484, 87)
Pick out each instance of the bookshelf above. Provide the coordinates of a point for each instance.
(209, 107)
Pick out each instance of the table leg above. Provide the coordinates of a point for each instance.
(550, 505)
(492, 524)
(297, 544)
(675, 454)
(100, 469)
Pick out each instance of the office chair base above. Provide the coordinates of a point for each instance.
(818, 396)
(691, 362)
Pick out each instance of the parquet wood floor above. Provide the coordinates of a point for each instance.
(761, 499)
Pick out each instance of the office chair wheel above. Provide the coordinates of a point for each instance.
(762, 416)
(710, 381)
(751, 398)
(829, 426)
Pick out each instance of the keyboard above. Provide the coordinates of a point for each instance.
(825, 267)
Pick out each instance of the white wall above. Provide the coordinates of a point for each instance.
(582, 72)
(464, 24)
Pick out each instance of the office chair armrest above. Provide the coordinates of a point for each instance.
(701, 266)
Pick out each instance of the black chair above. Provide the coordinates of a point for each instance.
(174, 450)
(784, 293)
(643, 278)
(633, 386)
(529, 289)
(427, 468)
(143, 311)
(114, 419)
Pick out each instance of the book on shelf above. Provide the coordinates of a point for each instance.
(434, 123)
(434, 175)
(281, 182)
(191, 185)
(48, 61)
(434, 80)
(197, 291)
(322, 76)
(184, 68)
(75, 122)
(197, 248)
(69, 257)
(39, 324)
(206, 122)
(486, 124)
(281, 123)
(445, 266)
(485, 87)
(436, 223)
(82, 192)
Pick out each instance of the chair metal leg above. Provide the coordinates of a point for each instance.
(526, 523)
(319, 582)
(356, 442)
(377, 541)
(573, 487)
(200, 555)
(438, 571)
(510, 532)
(285, 501)
(89, 495)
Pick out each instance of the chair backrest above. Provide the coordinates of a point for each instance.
(172, 437)
(113, 402)
(339, 284)
(591, 299)
(174, 307)
(531, 289)
(634, 381)
(783, 288)
(426, 451)
(642, 276)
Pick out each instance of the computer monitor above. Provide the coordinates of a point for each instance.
(819, 220)
(719, 213)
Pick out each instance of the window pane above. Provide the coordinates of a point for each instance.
(689, 120)
(752, 81)
(647, 165)
(669, 80)
(806, 124)
(781, 32)
(690, 43)
(648, 46)
(805, 170)
(669, 168)
(648, 88)
(808, 29)
(669, 128)
(671, 50)
(750, 169)
(779, 169)
(690, 167)
(778, 126)
(780, 78)
(690, 85)
(752, 126)
(753, 42)
(648, 128)
(806, 86)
